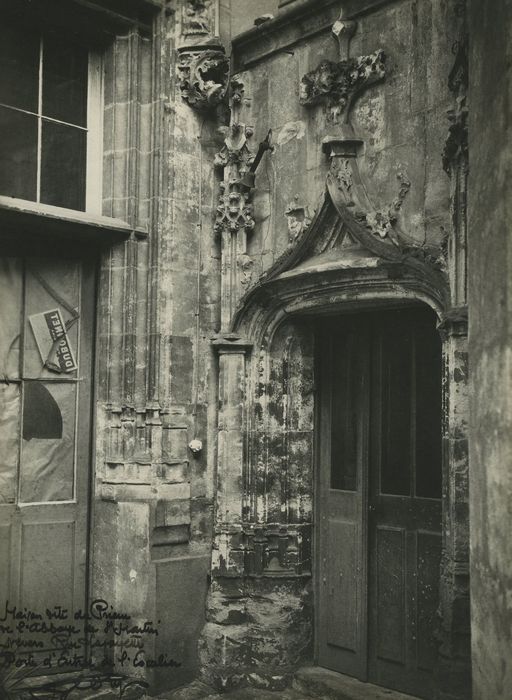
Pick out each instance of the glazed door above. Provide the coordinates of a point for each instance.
(343, 362)
(46, 345)
(382, 424)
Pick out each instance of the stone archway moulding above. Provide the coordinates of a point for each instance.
(350, 256)
(336, 263)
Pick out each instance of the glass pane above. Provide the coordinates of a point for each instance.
(64, 80)
(9, 435)
(18, 154)
(52, 307)
(48, 444)
(428, 411)
(395, 476)
(63, 160)
(11, 296)
(344, 414)
(19, 66)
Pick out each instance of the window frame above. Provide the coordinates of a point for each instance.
(93, 162)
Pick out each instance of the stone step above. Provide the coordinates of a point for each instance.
(321, 683)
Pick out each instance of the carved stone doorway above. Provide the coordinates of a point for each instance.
(378, 506)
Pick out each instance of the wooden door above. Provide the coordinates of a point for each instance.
(404, 501)
(379, 531)
(45, 412)
(343, 441)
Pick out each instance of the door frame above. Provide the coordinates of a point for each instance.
(322, 370)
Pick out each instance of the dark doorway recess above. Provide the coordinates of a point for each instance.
(379, 496)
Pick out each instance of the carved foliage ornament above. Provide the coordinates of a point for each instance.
(203, 74)
(234, 211)
(338, 83)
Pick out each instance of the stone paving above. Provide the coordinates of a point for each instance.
(311, 682)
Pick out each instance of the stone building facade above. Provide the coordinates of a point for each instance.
(262, 175)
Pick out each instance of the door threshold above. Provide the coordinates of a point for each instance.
(318, 682)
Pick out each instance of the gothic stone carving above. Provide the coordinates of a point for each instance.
(381, 221)
(456, 146)
(198, 17)
(253, 550)
(298, 217)
(234, 211)
(338, 83)
(203, 74)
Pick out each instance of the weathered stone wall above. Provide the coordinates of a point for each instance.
(158, 306)
(402, 119)
(490, 342)
(265, 461)
(260, 605)
(171, 371)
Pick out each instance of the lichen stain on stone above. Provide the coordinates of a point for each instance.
(369, 115)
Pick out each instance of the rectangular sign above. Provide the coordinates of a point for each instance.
(52, 339)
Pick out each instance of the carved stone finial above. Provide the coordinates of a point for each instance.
(235, 150)
(203, 74)
(234, 210)
(338, 84)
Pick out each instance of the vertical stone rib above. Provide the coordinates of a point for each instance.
(131, 193)
(157, 213)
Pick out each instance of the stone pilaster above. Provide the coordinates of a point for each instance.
(454, 650)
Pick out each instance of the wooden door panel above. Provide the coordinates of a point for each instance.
(48, 548)
(427, 596)
(341, 637)
(341, 583)
(391, 623)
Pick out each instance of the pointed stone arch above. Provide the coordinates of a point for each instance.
(261, 565)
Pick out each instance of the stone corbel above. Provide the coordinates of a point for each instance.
(337, 83)
(203, 74)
